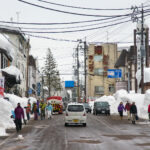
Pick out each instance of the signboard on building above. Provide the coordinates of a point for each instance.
(121, 85)
(2, 81)
(138, 44)
(69, 84)
(114, 73)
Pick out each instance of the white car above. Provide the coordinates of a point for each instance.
(75, 114)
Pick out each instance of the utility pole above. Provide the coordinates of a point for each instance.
(135, 60)
(85, 71)
(78, 88)
(134, 17)
(27, 79)
(142, 52)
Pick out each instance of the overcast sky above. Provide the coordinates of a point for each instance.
(21, 12)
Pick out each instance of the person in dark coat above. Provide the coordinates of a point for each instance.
(19, 115)
(149, 112)
(120, 110)
(133, 111)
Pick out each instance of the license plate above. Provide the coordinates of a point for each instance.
(75, 120)
(103, 111)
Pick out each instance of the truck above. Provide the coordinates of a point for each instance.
(57, 103)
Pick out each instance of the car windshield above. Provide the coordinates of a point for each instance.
(75, 108)
(103, 104)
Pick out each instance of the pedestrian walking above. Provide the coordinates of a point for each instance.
(133, 111)
(38, 103)
(120, 110)
(49, 110)
(149, 112)
(35, 111)
(127, 108)
(42, 108)
(28, 110)
(19, 115)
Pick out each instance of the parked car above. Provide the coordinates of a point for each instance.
(87, 107)
(101, 108)
(75, 114)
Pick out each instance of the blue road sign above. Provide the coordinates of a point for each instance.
(69, 84)
(114, 73)
(30, 91)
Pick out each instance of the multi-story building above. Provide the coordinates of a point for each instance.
(20, 46)
(100, 59)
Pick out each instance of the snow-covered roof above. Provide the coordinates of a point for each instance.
(13, 30)
(5, 45)
(12, 70)
(146, 75)
(45, 88)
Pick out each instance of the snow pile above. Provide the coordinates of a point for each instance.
(14, 100)
(13, 71)
(146, 75)
(146, 102)
(5, 113)
(111, 100)
(5, 45)
(141, 101)
(6, 106)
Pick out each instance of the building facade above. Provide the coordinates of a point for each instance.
(20, 47)
(100, 59)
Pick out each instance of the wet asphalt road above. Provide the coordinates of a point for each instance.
(102, 133)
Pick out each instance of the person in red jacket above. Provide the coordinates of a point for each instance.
(127, 108)
(19, 115)
(149, 111)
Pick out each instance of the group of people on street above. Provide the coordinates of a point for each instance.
(38, 109)
(131, 111)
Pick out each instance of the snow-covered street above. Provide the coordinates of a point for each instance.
(102, 132)
(141, 100)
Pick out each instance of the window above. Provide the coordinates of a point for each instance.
(5, 62)
(75, 108)
(98, 58)
(98, 71)
(99, 90)
(111, 88)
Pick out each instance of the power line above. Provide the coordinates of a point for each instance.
(72, 13)
(58, 4)
(49, 38)
(69, 31)
(58, 23)
(16, 27)
(55, 23)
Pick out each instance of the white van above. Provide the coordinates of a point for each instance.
(75, 114)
